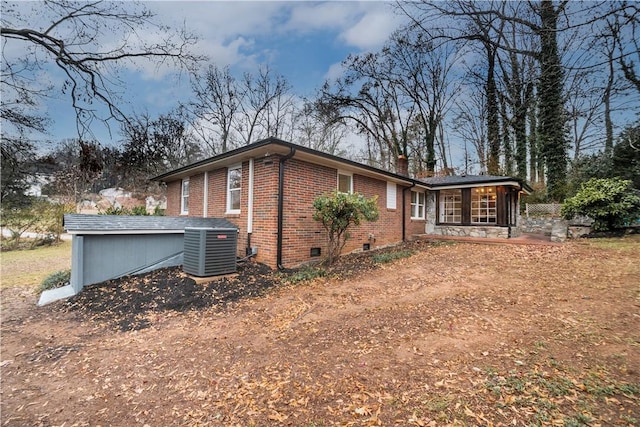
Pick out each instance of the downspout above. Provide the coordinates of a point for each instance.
(281, 206)
(404, 211)
(250, 208)
(205, 198)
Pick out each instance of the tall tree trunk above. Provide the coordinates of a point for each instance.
(507, 147)
(551, 122)
(608, 123)
(533, 145)
(493, 125)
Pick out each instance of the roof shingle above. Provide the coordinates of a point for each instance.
(77, 223)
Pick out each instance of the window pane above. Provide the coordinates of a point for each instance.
(235, 178)
(344, 183)
(235, 200)
(451, 206)
(417, 205)
(234, 188)
(483, 205)
(184, 205)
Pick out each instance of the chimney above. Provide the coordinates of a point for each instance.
(402, 166)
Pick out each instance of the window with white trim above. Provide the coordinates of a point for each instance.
(345, 182)
(483, 205)
(450, 206)
(184, 197)
(234, 188)
(391, 195)
(417, 205)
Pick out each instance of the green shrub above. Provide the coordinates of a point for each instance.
(305, 274)
(340, 211)
(610, 202)
(139, 211)
(56, 280)
(136, 210)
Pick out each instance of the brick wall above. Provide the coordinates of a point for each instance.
(174, 190)
(196, 195)
(303, 183)
(265, 208)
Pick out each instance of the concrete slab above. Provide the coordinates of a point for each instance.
(56, 294)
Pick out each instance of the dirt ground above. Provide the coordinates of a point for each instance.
(457, 334)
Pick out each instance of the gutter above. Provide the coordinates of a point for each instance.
(404, 210)
(281, 206)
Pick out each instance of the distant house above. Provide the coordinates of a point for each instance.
(267, 189)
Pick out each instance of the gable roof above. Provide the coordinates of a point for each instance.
(269, 146)
(137, 224)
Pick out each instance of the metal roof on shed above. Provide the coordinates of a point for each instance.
(137, 224)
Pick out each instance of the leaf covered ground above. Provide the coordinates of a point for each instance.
(456, 334)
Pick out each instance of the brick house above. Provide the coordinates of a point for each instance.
(267, 189)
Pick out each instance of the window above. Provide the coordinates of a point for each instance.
(483, 205)
(184, 197)
(345, 182)
(450, 206)
(417, 205)
(234, 187)
(391, 195)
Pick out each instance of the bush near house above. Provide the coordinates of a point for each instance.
(612, 203)
(338, 212)
(40, 217)
(56, 280)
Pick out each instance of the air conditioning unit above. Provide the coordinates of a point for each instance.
(210, 251)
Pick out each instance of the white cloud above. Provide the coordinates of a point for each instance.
(335, 71)
(308, 16)
(373, 28)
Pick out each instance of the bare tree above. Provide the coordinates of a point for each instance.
(470, 124)
(153, 146)
(217, 102)
(72, 36)
(626, 32)
(424, 73)
(371, 96)
(320, 128)
(265, 98)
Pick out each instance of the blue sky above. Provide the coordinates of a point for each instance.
(302, 40)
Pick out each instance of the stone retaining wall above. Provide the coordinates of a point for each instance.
(473, 231)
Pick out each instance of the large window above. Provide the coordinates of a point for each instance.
(483, 205)
(184, 197)
(450, 206)
(417, 205)
(345, 182)
(234, 188)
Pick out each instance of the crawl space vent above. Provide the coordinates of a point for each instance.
(210, 251)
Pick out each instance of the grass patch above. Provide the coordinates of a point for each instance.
(31, 267)
(625, 243)
(387, 257)
(304, 274)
